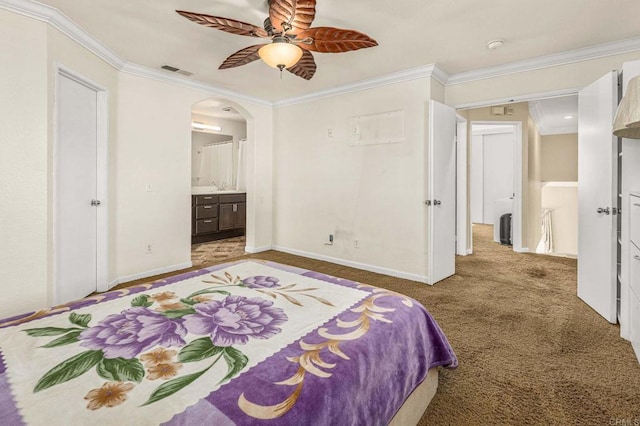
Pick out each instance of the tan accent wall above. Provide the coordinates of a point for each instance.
(559, 158)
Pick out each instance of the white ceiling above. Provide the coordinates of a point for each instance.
(555, 116)
(410, 33)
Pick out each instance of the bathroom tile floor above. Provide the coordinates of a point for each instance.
(216, 251)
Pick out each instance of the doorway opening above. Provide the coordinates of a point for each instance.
(544, 170)
(218, 181)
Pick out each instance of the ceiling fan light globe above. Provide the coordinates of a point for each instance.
(280, 54)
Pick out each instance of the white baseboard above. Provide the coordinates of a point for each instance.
(357, 265)
(150, 273)
(254, 250)
(522, 250)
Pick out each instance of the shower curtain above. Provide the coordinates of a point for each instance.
(241, 179)
(216, 167)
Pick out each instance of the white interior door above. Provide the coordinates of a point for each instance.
(597, 192)
(498, 172)
(442, 191)
(75, 185)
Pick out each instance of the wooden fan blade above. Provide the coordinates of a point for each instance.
(306, 66)
(242, 57)
(225, 24)
(299, 14)
(334, 40)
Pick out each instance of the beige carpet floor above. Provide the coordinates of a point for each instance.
(530, 351)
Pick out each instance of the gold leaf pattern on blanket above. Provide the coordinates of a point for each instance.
(310, 361)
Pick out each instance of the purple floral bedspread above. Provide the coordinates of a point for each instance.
(241, 343)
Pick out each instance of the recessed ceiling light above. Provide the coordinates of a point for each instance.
(568, 117)
(494, 44)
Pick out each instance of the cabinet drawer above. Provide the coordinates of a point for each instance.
(240, 198)
(206, 226)
(634, 268)
(207, 212)
(634, 219)
(206, 199)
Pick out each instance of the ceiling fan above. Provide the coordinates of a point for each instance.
(292, 39)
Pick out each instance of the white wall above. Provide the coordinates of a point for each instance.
(374, 193)
(23, 164)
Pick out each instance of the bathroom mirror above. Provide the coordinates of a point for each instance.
(217, 148)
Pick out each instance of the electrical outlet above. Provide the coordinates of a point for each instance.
(330, 133)
(148, 249)
(330, 243)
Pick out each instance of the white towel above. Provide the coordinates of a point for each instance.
(546, 240)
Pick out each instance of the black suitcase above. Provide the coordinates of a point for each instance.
(505, 229)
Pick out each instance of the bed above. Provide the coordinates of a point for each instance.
(248, 342)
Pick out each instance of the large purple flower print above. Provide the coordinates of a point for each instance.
(233, 320)
(260, 281)
(131, 332)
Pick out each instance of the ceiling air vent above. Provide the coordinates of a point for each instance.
(176, 70)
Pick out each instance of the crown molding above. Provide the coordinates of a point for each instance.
(548, 61)
(433, 71)
(59, 21)
(165, 77)
(520, 98)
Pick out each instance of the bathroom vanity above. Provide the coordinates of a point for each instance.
(217, 215)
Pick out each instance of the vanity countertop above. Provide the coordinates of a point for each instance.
(200, 190)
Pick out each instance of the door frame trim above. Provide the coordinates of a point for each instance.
(102, 213)
(462, 223)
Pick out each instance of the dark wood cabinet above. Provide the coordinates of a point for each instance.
(217, 216)
(233, 211)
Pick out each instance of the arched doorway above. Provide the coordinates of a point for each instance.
(218, 181)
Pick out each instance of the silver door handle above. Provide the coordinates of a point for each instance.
(605, 210)
(428, 202)
(437, 202)
(95, 203)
